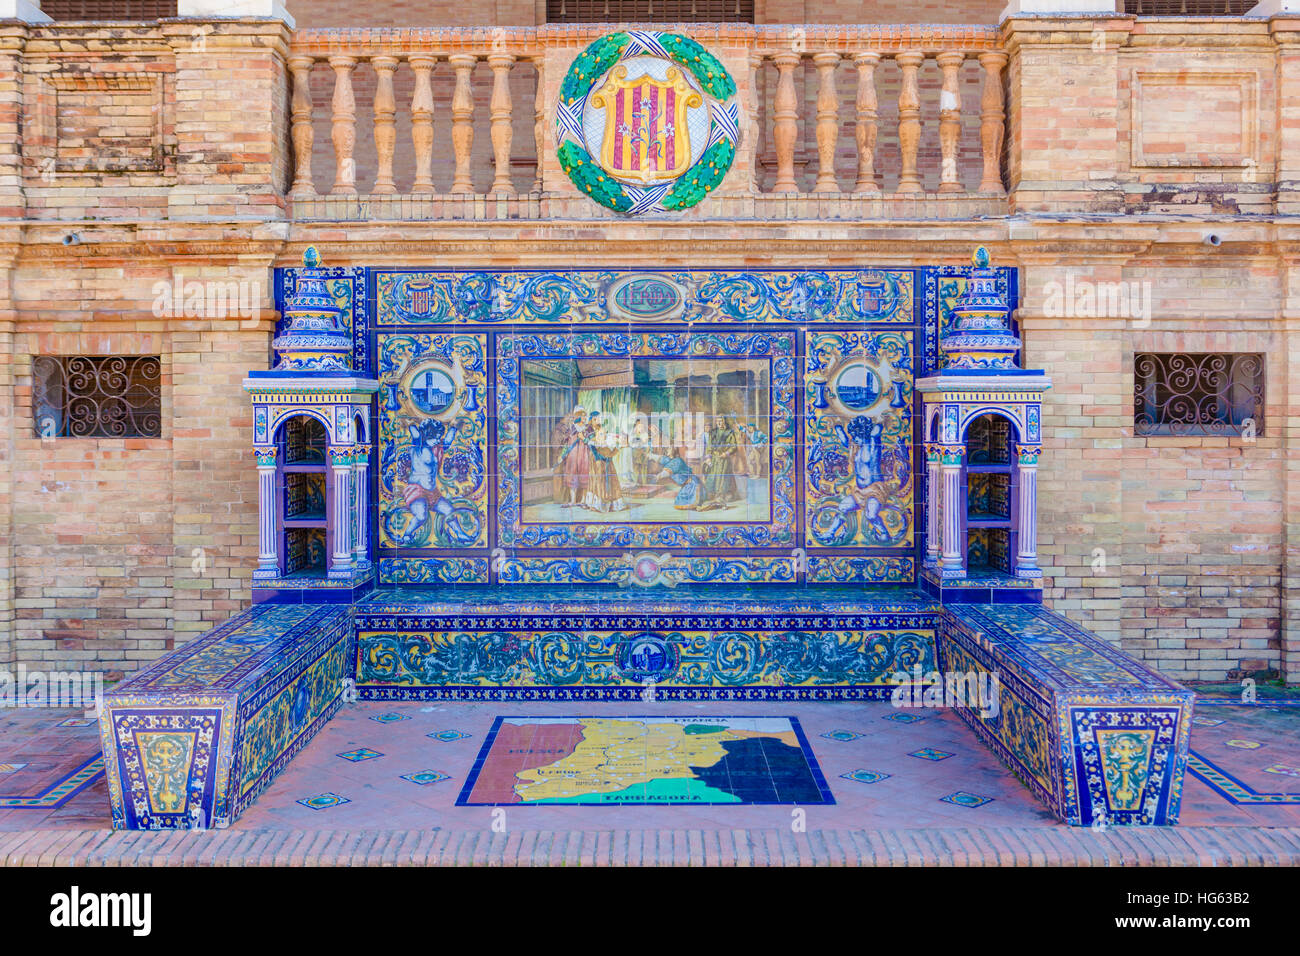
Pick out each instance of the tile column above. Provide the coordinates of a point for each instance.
(933, 487)
(341, 467)
(1027, 514)
(361, 489)
(268, 559)
(952, 560)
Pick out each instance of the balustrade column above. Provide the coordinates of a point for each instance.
(462, 121)
(1027, 520)
(422, 122)
(300, 67)
(500, 109)
(268, 559)
(950, 465)
(385, 126)
(361, 488)
(909, 122)
(867, 106)
(753, 135)
(828, 122)
(949, 121)
(344, 132)
(539, 121)
(785, 127)
(933, 490)
(341, 467)
(992, 121)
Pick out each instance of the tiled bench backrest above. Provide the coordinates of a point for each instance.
(522, 644)
(211, 724)
(1095, 734)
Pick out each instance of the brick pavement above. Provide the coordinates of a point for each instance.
(1014, 846)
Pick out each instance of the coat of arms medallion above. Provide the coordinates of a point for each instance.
(647, 122)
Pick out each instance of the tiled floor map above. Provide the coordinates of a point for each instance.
(697, 760)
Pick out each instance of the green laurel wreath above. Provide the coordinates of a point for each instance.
(697, 181)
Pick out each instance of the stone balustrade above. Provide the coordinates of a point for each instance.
(792, 87)
(250, 118)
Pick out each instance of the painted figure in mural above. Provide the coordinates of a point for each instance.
(867, 491)
(574, 466)
(674, 468)
(421, 498)
(605, 492)
(754, 445)
(721, 447)
(639, 445)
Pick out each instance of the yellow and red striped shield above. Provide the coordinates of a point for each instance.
(646, 134)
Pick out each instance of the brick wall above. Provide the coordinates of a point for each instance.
(123, 547)
(1169, 546)
(112, 550)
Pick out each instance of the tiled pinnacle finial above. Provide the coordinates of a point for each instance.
(981, 335)
(313, 339)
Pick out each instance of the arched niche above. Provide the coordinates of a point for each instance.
(303, 497)
(989, 490)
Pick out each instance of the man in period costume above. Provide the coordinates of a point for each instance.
(573, 471)
(721, 445)
(674, 468)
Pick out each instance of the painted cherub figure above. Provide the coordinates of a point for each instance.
(429, 443)
(867, 492)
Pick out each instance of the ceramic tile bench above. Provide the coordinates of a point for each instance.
(1094, 734)
(192, 739)
(718, 642)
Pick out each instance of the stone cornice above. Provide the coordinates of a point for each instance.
(531, 42)
(1124, 30)
(227, 36)
(675, 244)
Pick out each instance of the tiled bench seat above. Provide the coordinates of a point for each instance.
(196, 736)
(1094, 734)
(716, 642)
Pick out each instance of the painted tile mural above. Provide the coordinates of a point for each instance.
(619, 427)
(858, 440)
(641, 440)
(433, 475)
(660, 761)
(594, 297)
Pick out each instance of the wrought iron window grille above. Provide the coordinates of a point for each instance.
(97, 396)
(1198, 394)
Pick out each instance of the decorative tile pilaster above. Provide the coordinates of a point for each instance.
(1027, 553)
(268, 561)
